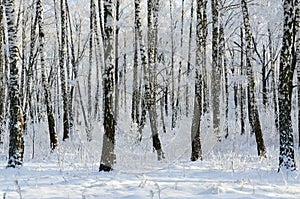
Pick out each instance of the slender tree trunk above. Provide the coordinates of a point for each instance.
(286, 152)
(145, 69)
(150, 92)
(117, 90)
(172, 68)
(216, 70)
(223, 64)
(195, 130)
(297, 28)
(99, 62)
(205, 76)
(48, 101)
(242, 89)
(16, 142)
(2, 81)
(189, 60)
(177, 108)
(89, 94)
(135, 90)
(64, 90)
(125, 75)
(273, 83)
(23, 58)
(29, 75)
(108, 156)
(264, 78)
(254, 115)
(73, 71)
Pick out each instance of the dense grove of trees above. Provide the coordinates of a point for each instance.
(156, 62)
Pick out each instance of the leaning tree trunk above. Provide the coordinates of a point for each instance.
(108, 155)
(286, 153)
(16, 142)
(254, 115)
(48, 101)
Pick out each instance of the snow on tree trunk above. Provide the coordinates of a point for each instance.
(150, 81)
(187, 107)
(172, 67)
(205, 75)
(64, 90)
(89, 83)
(108, 155)
(253, 109)
(297, 26)
(286, 154)
(117, 81)
(48, 101)
(195, 130)
(2, 83)
(16, 142)
(135, 91)
(273, 82)
(216, 70)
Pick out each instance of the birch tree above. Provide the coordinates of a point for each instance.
(286, 152)
(216, 69)
(135, 91)
(16, 142)
(64, 90)
(2, 81)
(48, 101)
(195, 130)
(150, 77)
(252, 103)
(297, 29)
(108, 154)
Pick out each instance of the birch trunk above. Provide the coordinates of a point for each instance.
(286, 138)
(108, 156)
(195, 130)
(64, 90)
(253, 114)
(16, 142)
(48, 101)
(2, 82)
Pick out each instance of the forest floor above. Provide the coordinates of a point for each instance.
(252, 178)
(230, 169)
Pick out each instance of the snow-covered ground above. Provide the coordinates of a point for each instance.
(218, 178)
(229, 169)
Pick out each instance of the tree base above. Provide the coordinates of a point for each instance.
(105, 168)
